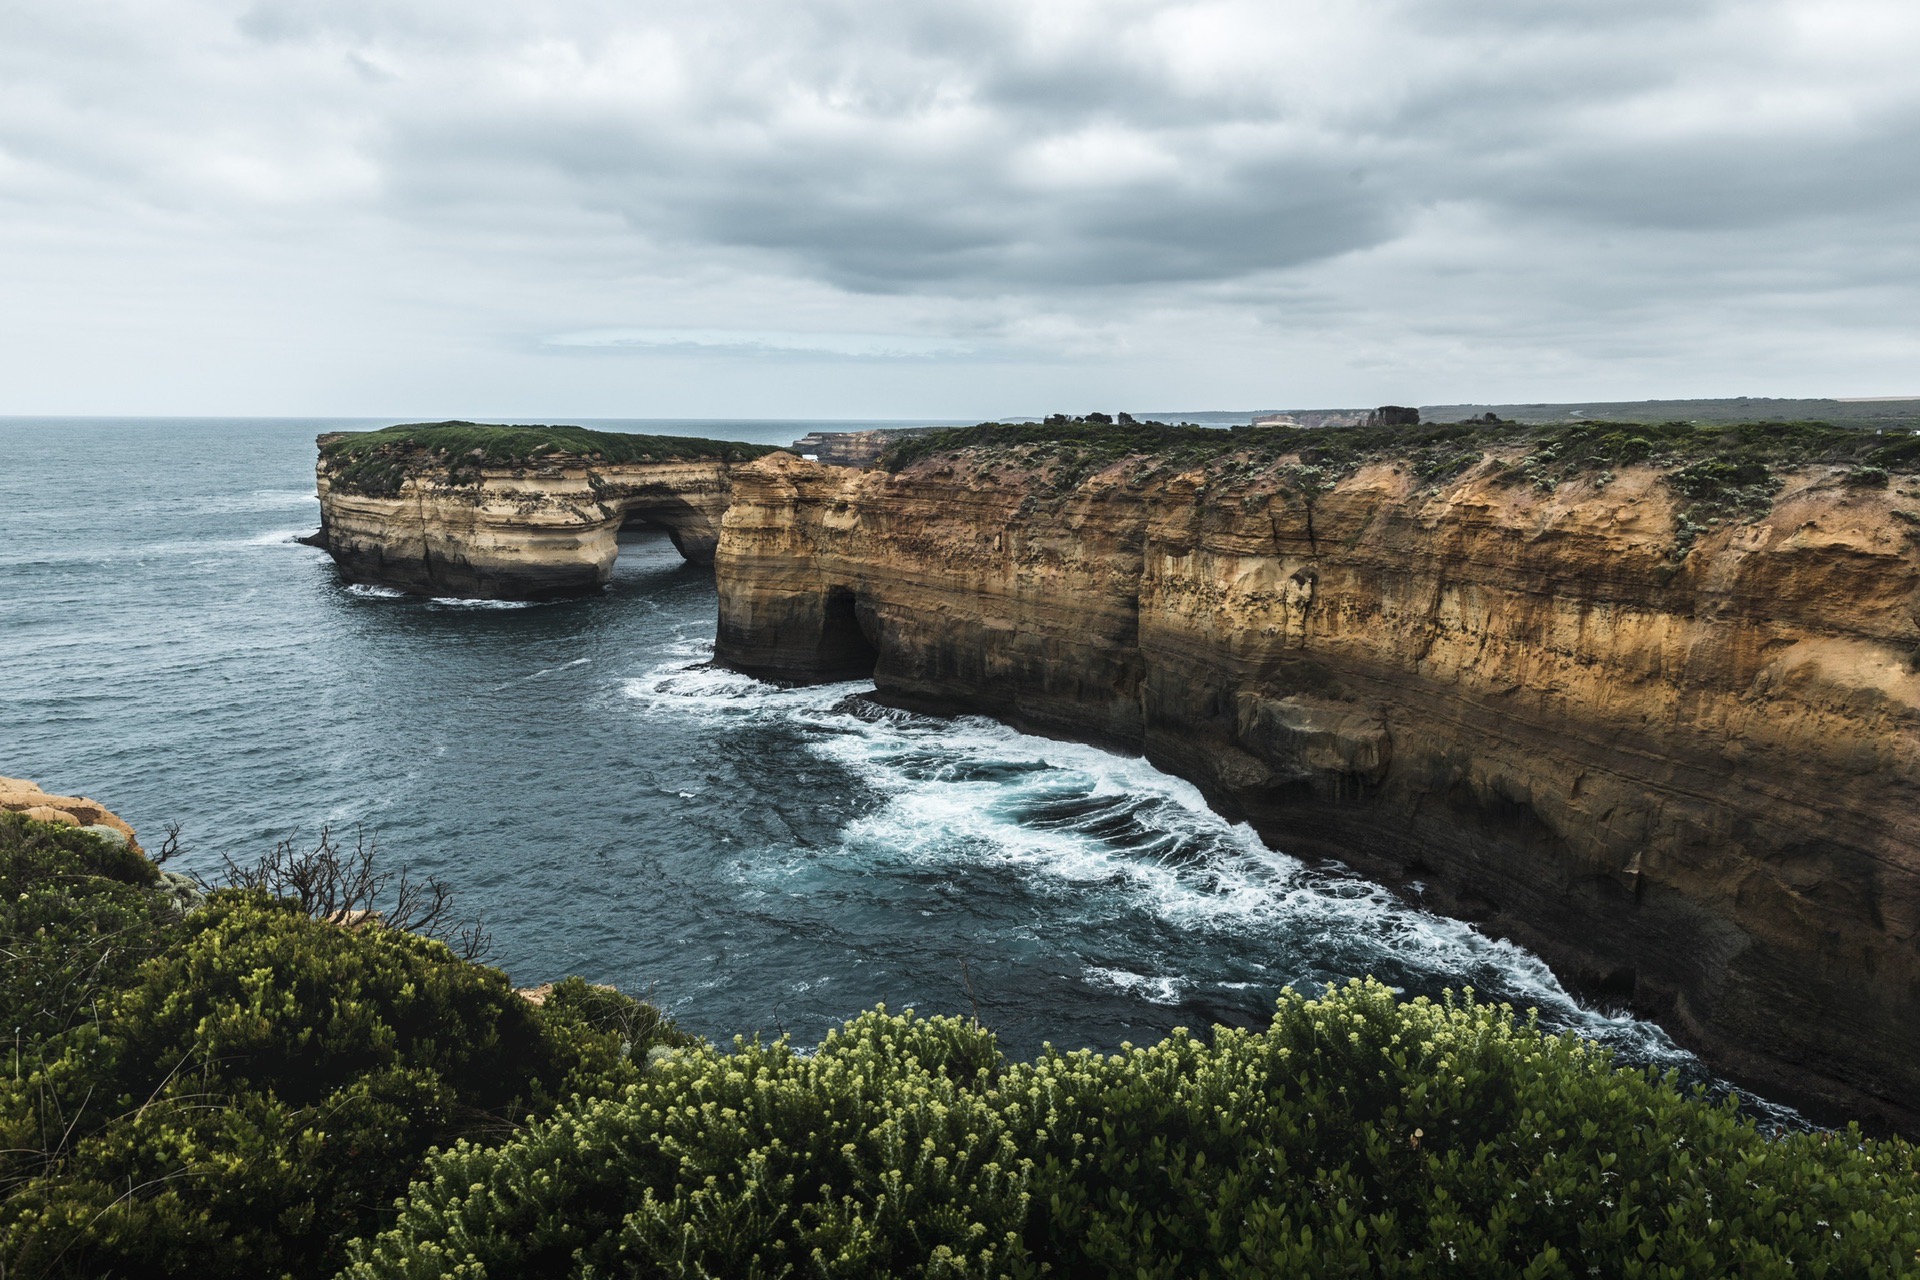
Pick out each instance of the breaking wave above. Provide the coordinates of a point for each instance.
(1120, 874)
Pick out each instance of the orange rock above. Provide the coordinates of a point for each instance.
(22, 796)
(1680, 763)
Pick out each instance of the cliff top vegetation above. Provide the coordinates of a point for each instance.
(1718, 472)
(1434, 447)
(376, 462)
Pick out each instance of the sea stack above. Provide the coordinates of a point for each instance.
(517, 513)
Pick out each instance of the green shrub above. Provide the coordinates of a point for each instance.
(1355, 1135)
(262, 1088)
(78, 915)
(377, 463)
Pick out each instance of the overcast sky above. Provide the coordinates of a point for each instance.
(882, 208)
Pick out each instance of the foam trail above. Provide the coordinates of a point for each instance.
(1166, 900)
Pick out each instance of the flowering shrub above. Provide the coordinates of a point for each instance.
(1355, 1135)
(249, 1092)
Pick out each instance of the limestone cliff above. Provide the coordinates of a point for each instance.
(1680, 760)
(530, 521)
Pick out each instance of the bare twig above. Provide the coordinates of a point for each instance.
(966, 980)
(347, 887)
(169, 847)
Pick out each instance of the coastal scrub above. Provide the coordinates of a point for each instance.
(240, 1092)
(1356, 1135)
(377, 463)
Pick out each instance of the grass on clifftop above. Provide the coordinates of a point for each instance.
(1438, 449)
(377, 462)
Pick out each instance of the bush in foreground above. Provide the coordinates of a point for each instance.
(240, 1092)
(1356, 1135)
(245, 1090)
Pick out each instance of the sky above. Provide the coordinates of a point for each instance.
(964, 209)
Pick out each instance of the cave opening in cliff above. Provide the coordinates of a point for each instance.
(847, 651)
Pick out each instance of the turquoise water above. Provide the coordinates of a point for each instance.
(756, 859)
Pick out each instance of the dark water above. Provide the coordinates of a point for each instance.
(758, 859)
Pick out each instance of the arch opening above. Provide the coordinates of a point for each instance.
(692, 532)
(846, 650)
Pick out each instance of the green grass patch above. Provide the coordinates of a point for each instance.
(378, 462)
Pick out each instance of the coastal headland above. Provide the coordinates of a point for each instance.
(1643, 701)
(1643, 698)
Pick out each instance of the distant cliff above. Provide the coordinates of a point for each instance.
(854, 448)
(1646, 704)
(512, 512)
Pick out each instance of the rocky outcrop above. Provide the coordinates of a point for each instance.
(17, 795)
(853, 448)
(530, 531)
(1682, 765)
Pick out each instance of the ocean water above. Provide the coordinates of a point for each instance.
(755, 859)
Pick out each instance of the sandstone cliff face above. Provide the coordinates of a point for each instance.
(1688, 781)
(523, 532)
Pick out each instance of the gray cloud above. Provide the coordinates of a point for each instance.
(1235, 200)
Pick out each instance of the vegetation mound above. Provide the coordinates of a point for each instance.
(1357, 1135)
(377, 462)
(239, 1090)
(243, 1089)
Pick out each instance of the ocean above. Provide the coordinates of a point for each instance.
(756, 860)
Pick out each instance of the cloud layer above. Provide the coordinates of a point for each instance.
(429, 205)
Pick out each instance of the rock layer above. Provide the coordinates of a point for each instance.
(527, 532)
(1687, 780)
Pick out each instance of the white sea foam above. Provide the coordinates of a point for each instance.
(461, 602)
(1155, 990)
(689, 686)
(1111, 835)
(278, 537)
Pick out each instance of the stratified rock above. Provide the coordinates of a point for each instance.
(1682, 766)
(519, 536)
(534, 529)
(853, 448)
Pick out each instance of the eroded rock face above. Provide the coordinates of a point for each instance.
(1688, 781)
(528, 532)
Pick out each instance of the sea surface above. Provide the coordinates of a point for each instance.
(757, 860)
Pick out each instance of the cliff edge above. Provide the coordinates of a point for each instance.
(1645, 701)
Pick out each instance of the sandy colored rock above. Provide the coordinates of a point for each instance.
(41, 813)
(22, 796)
(1690, 781)
(526, 532)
